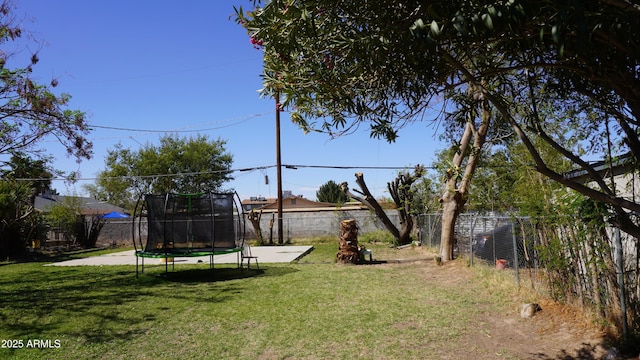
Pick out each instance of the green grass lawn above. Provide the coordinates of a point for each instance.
(311, 309)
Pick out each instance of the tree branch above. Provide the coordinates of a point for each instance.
(540, 165)
(370, 202)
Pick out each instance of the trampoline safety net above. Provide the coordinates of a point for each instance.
(190, 222)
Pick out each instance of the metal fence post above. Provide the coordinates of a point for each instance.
(471, 228)
(515, 254)
(429, 228)
(620, 270)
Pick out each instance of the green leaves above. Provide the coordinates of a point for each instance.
(304, 15)
(459, 25)
(555, 34)
(386, 61)
(330, 192)
(383, 129)
(177, 164)
(435, 29)
(417, 27)
(488, 22)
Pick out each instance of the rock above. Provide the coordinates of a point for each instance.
(529, 310)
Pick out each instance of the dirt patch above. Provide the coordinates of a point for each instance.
(555, 332)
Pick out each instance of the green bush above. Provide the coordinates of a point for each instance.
(19, 222)
(377, 236)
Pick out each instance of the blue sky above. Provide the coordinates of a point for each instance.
(170, 66)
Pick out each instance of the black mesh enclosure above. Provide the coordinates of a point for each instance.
(190, 222)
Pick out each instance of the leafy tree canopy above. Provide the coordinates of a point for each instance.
(341, 64)
(19, 222)
(35, 173)
(177, 164)
(330, 192)
(396, 56)
(425, 196)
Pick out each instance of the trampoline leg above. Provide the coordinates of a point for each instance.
(136, 266)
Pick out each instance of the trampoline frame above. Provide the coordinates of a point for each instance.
(168, 252)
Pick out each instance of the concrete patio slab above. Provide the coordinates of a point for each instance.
(265, 254)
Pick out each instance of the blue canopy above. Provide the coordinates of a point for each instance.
(115, 215)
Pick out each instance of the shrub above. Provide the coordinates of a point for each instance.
(382, 236)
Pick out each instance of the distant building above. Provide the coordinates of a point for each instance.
(86, 205)
(622, 170)
(256, 202)
(87, 208)
(624, 173)
(295, 203)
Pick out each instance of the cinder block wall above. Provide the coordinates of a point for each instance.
(295, 225)
(115, 232)
(321, 223)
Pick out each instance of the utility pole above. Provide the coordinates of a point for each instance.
(278, 167)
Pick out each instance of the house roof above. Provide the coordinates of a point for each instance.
(298, 203)
(618, 166)
(258, 201)
(87, 205)
(292, 202)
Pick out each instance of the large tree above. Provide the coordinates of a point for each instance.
(30, 111)
(20, 223)
(341, 64)
(402, 193)
(330, 192)
(36, 173)
(178, 164)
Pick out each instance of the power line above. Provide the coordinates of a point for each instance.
(351, 167)
(288, 166)
(186, 129)
(148, 176)
(182, 129)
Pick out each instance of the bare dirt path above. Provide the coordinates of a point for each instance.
(556, 332)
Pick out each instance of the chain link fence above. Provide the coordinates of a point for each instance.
(505, 242)
(571, 259)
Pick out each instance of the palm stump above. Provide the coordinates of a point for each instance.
(348, 252)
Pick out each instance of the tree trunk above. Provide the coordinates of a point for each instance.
(450, 212)
(402, 195)
(89, 230)
(405, 231)
(348, 247)
(373, 204)
(369, 201)
(254, 218)
(400, 191)
(457, 184)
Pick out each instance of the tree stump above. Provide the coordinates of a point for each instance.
(254, 218)
(348, 248)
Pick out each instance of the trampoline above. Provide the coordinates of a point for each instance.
(187, 225)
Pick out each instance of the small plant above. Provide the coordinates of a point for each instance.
(378, 236)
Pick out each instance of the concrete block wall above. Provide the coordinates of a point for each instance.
(295, 225)
(320, 223)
